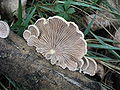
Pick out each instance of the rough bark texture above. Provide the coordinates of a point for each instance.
(22, 64)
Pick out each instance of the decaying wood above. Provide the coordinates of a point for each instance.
(22, 64)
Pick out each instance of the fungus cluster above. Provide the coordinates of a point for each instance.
(4, 29)
(61, 42)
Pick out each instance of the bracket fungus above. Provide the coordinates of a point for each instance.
(59, 41)
(4, 29)
(89, 66)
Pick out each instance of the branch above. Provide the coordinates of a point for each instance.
(24, 65)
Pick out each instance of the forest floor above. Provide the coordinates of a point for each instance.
(97, 19)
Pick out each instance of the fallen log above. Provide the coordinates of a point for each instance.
(24, 65)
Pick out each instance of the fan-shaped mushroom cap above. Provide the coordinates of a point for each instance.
(32, 40)
(26, 34)
(60, 41)
(80, 65)
(4, 29)
(85, 64)
(32, 30)
(89, 67)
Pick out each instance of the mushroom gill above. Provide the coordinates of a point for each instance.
(61, 42)
(4, 29)
(89, 67)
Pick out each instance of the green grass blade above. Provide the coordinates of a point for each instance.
(11, 81)
(20, 19)
(26, 22)
(20, 12)
(49, 9)
(114, 53)
(96, 54)
(112, 10)
(104, 59)
(107, 40)
(3, 86)
(110, 7)
(81, 4)
(103, 43)
(103, 46)
(89, 26)
(97, 38)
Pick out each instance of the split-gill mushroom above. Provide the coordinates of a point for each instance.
(59, 41)
(32, 30)
(89, 67)
(4, 29)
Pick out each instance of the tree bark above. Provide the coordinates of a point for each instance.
(24, 65)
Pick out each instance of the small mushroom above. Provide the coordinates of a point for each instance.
(4, 29)
(89, 67)
(26, 34)
(85, 64)
(32, 30)
(59, 41)
(80, 65)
